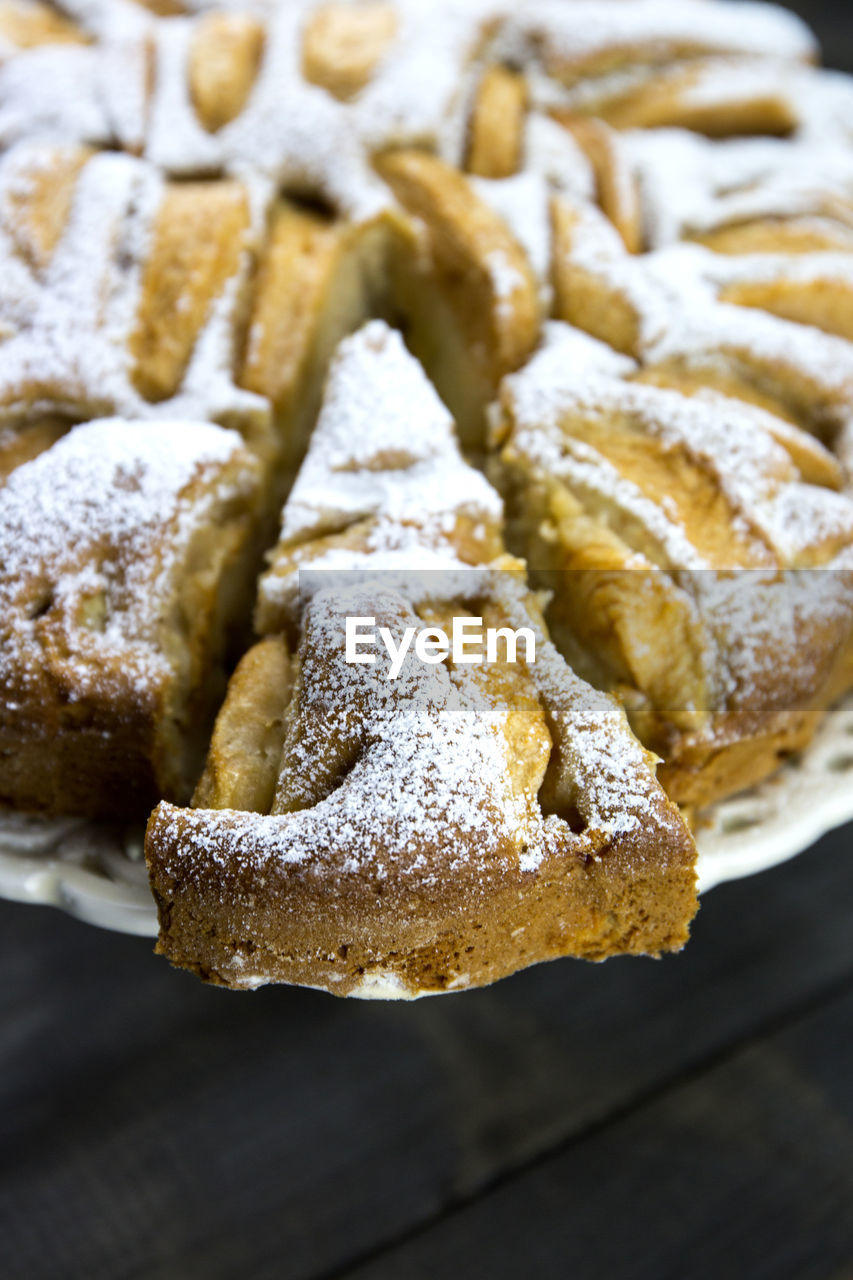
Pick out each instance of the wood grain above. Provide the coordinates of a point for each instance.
(746, 1169)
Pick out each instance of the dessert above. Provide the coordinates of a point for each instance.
(124, 554)
(434, 830)
(537, 313)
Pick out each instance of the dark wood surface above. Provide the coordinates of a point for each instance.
(643, 1119)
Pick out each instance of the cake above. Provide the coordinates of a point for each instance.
(438, 829)
(539, 314)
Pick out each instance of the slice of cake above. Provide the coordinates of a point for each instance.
(408, 826)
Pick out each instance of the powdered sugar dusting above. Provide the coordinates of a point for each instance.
(418, 94)
(574, 33)
(674, 294)
(692, 185)
(429, 792)
(552, 153)
(432, 763)
(429, 789)
(383, 451)
(90, 534)
(68, 326)
(523, 203)
(765, 629)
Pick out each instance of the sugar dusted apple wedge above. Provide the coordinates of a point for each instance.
(690, 566)
(127, 549)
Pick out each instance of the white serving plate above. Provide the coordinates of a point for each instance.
(97, 873)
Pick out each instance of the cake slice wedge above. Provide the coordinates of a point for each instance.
(382, 833)
(691, 569)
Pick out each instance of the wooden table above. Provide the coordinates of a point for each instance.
(690, 1117)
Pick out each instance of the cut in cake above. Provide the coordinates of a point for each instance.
(383, 486)
(355, 256)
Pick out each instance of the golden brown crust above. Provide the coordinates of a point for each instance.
(100, 767)
(283, 922)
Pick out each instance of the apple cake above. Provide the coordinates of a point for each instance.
(536, 317)
(404, 836)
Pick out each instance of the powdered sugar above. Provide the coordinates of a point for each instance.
(379, 406)
(753, 621)
(69, 326)
(674, 295)
(90, 534)
(435, 776)
(429, 792)
(692, 185)
(418, 94)
(551, 153)
(574, 34)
